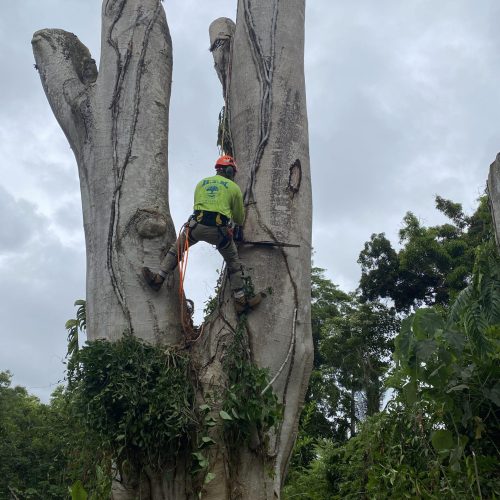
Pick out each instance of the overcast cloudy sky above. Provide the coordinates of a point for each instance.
(403, 101)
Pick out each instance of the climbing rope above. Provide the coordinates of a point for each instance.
(186, 306)
(182, 262)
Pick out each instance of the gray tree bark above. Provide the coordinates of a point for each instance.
(116, 121)
(494, 196)
(262, 74)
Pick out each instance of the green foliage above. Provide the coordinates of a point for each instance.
(224, 139)
(311, 483)
(136, 403)
(75, 327)
(438, 438)
(77, 491)
(327, 302)
(352, 346)
(357, 346)
(136, 397)
(390, 458)
(322, 397)
(33, 460)
(309, 434)
(450, 366)
(250, 406)
(434, 263)
(212, 303)
(379, 270)
(477, 308)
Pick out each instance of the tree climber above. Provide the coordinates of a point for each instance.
(218, 202)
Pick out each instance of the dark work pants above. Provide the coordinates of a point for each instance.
(215, 236)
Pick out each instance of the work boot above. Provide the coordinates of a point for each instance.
(242, 304)
(155, 281)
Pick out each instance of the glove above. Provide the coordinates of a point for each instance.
(238, 233)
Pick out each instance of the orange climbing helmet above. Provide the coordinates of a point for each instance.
(226, 161)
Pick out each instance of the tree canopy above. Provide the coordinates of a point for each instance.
(436, 437)
(433, 264)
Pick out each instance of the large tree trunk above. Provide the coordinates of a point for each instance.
(117, 124)
(263, 78)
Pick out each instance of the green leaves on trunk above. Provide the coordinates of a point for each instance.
(250, 407)
(137, 398)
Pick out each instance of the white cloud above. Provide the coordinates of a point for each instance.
(39, 283)
(403, 105)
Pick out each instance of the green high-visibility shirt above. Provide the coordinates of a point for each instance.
(218, 194)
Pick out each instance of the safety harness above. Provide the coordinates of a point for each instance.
(214, 219)
(210, 218)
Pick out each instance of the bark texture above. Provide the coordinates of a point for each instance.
(262, 73)
(116, 121)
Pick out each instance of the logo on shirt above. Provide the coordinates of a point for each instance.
(211, 191)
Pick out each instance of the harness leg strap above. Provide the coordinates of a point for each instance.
(225, 242)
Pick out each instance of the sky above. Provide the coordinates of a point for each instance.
(403, 104)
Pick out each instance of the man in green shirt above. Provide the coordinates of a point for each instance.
(217, 202)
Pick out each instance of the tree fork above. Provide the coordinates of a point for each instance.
(116, 121)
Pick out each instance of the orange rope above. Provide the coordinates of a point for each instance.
(182, 257)
(192, 333)
(182, 261)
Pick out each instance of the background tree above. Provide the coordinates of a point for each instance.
(43, 450)
(357, 348)
(352, 343)
(434, 263)
(321, 402)
(328, 303)
(437, 436)
(116, 121)
(32, 448)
